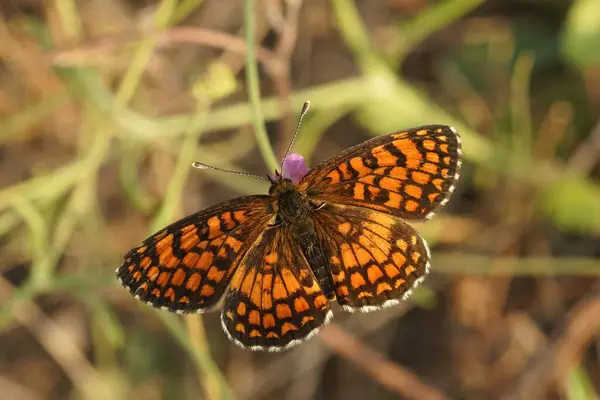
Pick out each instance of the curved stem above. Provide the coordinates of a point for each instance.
(254, 89)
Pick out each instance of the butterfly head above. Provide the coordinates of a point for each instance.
(292, 207)
(280, 184)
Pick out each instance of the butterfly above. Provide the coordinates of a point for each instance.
(277, 261)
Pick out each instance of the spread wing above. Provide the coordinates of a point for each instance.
(376, 259)
(274, 302)
(186, 266)
(407, 174)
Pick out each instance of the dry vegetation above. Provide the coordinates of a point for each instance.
(105, 103)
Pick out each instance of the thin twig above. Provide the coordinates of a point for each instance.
(253, 83)
(278, 373)
(281, 77)
(195, 329)
(96, 51)
(569, 343)
(389, 374)
(588, 153)
(58, 343)
(475, 265)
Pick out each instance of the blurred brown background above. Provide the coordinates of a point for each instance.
(105, 103)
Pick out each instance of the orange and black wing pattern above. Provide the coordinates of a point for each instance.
(187, 266)
(277, 260)
(274, 301)
(407, 174)
(376, 259)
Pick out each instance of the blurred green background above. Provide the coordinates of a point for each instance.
(104, 104)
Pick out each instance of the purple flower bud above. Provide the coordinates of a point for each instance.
(294, 167)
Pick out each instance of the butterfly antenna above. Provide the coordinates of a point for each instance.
(199, 165)
(305, 108)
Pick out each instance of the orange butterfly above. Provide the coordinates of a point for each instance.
(279, 259)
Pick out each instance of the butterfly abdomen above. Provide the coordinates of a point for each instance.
(295, 213)
(317, 260)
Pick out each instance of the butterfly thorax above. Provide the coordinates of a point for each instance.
(292, 206)
(295, 213)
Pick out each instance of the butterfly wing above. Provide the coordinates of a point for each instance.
(407, 174)
(274, 302)
(186, 266)
(376, 259)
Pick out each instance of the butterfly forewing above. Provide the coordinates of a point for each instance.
(407, 174)
(274, 301)
(187, 266)
(376, 259)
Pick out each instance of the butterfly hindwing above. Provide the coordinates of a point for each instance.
(376, 259)
(407, 174)
(186, 266)
(273, 301)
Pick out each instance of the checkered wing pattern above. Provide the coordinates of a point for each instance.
(274, 301)
(407, 174)
(187, 266)
(346, 216)
(376, 259)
